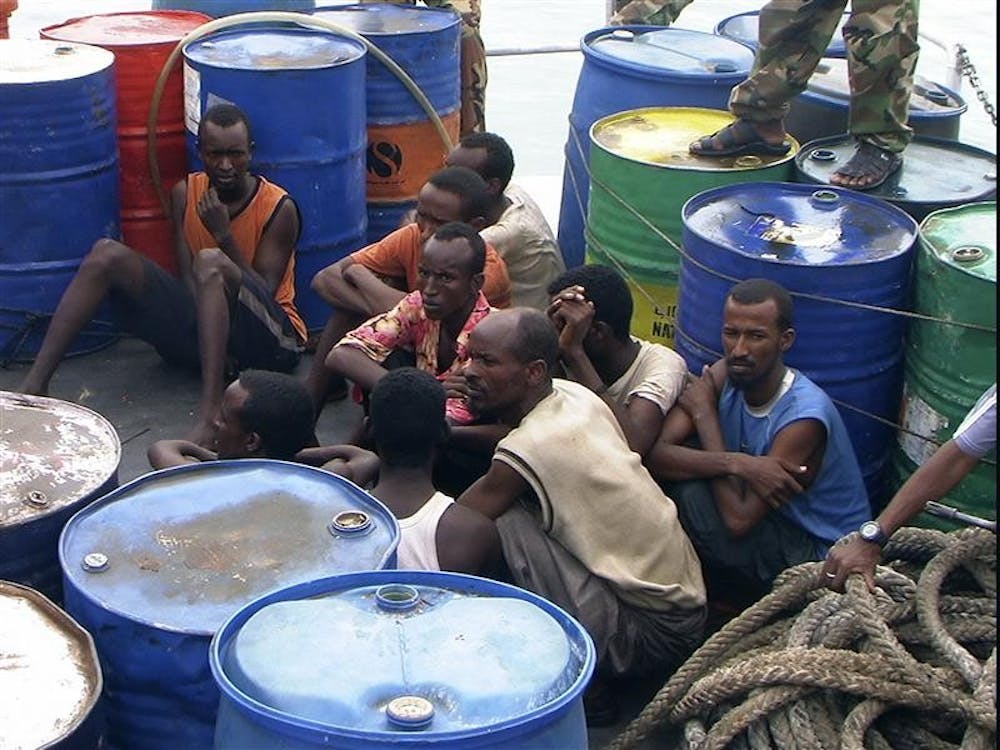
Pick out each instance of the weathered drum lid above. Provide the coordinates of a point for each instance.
(56, 457)
(936, 172)
(50, 679)
(180, 549)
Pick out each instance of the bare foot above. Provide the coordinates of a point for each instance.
(868, 168)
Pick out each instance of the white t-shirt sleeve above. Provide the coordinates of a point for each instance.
(977, 435)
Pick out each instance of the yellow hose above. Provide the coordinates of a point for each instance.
(278, 17)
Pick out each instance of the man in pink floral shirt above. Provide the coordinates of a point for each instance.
(432, 322)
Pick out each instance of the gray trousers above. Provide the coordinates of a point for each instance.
(629, 640)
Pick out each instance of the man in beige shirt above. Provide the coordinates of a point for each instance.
(514, 224)
(581, 521)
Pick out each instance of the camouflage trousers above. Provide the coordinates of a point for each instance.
(473, 59)
(882, 52)
(647, 12)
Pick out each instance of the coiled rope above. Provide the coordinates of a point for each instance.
(912, 666)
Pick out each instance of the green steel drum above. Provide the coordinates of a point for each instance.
(640, 166)
(949, 366)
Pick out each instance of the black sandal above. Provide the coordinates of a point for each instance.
(739, 138)
(872, 161)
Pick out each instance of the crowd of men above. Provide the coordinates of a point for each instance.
(511, 421)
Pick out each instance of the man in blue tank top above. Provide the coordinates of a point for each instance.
(777, 482)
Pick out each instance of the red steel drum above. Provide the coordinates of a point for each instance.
(141, 42)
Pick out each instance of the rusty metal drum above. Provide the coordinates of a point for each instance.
(50, 678)
(155, 567)
(57, 457)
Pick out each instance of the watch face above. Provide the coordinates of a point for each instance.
(870, 531)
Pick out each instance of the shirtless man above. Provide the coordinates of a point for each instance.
(235, 236)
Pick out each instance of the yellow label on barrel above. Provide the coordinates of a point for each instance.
(654, 311)
(401, 157)
(654, 303)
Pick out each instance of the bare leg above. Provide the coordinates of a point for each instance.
(319, 377)
(217, 284)
(109, 265)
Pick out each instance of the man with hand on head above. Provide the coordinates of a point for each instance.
(592, 310)
(235, 236)
(777, 481)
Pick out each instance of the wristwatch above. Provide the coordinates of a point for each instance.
(870, 531)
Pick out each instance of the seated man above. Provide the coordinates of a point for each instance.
(265, 415)
(433, 323)
(974, 440)
(581, 521)
(592, 310)
(408, 426)
(357, 287)
(235, 238)
(783, 481)
(515, 225)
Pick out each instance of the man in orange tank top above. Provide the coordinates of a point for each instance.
(233, 305)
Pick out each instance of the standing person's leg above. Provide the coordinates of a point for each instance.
(109, 266)
(882, 52)
(647, 12)
(473, 63)
(792, 39)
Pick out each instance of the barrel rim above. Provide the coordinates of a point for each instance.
(98, 418)
(171, 473)
(937, 253)
(102, 63)
(291, 725)
(656, 74)
(705, 197)
(818, 97)
(841, 49)
(793, 151)
(84, 639)
(270, 28)
(46, 32)
(404, 10)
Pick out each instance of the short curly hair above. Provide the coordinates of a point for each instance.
(606, 289)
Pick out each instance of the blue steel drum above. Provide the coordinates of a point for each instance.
(58, 182)
(745, 28)
(393, 659)
(218, 8)
(629, 67)
(822, 110)
(920, 186)
(838, 244)
(56, 457)
(50, 678)
(155, 567)
(304, 92)
(404, 148)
